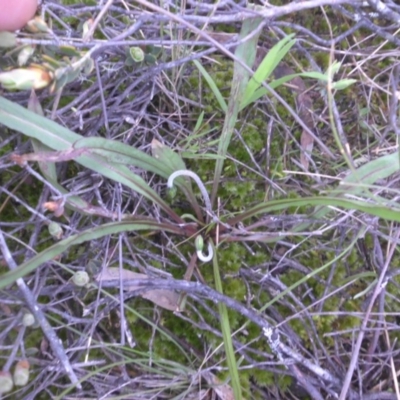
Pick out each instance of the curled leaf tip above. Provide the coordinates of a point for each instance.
(196, 178)
(205, 258)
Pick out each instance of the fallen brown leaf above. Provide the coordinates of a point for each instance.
(167, 299)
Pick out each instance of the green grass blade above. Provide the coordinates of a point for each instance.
(213, 86)
(357, 183)
(267, 66)
(262, 91)
(383, 212)
(200, 156)
(227, 334)
(317, 271)
(199, 122)
(245, 52)
(90, 234)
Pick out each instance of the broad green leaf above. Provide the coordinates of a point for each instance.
(60, 138)
(120, 153)
(333, 68)
(171, 162)
(48, 169)
(169, 159)
(90, 234)
(30, 124)
(359, 180)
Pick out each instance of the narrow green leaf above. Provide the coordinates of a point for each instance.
(227, 333)
(201, 156)
(268, 65)
(262, 91)
(343, 84)
(245, 52)
(48, 169)
(199, 122)
(364, 206)
(213, 86)
(90, 234)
